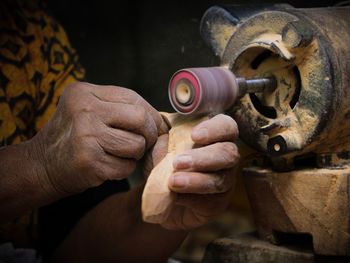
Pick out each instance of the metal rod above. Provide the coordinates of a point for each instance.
(255, 85)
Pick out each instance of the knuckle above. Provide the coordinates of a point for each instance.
(85, 106)
(231, 148)
(139, 147)
(131, 94)
(122, 143)
(230, 153)
(219, 183)
(140, 116)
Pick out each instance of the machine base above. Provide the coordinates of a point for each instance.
(249, 249)
(311, 205)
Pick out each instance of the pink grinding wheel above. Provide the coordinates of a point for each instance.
(203, 90)
(191, 78)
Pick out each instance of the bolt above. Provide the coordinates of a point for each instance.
(277, 145)
(296, 34)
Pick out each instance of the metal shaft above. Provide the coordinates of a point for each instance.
(255, 85)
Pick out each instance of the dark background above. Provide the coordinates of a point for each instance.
(139, 45)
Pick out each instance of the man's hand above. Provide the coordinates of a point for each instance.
(203, 177)
(97, 133)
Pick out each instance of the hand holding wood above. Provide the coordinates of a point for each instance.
(191, 184)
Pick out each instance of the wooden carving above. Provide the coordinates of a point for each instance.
(158, 199)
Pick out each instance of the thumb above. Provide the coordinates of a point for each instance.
(156, 154)
(160, 149)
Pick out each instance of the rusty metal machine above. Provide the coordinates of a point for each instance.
(298, 182)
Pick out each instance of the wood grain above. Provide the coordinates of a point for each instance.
(311, 201)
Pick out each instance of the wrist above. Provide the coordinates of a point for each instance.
(23, 186)
(34, 151)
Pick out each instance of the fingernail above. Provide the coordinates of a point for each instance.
(199, 134)
(179, 181)
(182, 161)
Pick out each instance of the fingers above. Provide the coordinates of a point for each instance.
(122, 143)
(213, 157)
(129, 117)
(218, 129)
(202, 183)
(114, 168)
(91, 162)
(121, 95)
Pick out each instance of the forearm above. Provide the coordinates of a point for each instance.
(22, 181)
(114, 232)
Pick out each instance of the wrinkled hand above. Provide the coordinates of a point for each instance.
(204, 177)
(96, 134)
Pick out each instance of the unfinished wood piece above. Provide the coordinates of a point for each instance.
(311, 201)
(157, 199)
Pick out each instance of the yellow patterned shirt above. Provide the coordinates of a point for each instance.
(36, 63)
